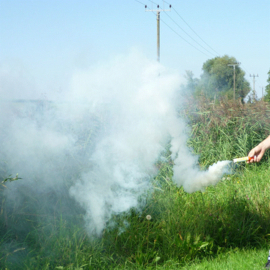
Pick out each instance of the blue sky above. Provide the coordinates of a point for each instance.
(44, 41)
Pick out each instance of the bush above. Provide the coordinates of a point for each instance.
(226, 130)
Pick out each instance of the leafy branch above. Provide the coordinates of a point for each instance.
(10, 179)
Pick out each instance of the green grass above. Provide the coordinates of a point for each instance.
(224, 227)
(236, 260)
(232, 260)
(198, 229)
(232, 215)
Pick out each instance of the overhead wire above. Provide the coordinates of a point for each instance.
(184, 38)
(182, 30)
(244, 69)
(189, 35)
(140, 2)
(192, 29)
(153, 2)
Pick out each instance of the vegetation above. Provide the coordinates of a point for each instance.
(173, 229)
(267, 88)
(228, 129)
(217, 80)
(9, 179)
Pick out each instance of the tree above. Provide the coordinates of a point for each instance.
(192, 83)
(217, 79)
(267, 88)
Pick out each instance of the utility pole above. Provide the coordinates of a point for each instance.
(158, 10)
(253, 84)
(233, 65)
(158, 36)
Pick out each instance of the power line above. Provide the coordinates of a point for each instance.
(158, 18)
(153, 2)
(233, 65)
(140, 2)
(193, 30)
(158, 10)
(189, 35)
(253, 84)
(184, 39)
(245, 70)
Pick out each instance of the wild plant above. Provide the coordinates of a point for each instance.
(226, 129)
(183, 227)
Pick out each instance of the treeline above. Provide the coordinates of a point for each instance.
(222, 77)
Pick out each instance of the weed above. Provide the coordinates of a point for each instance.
(172, 228)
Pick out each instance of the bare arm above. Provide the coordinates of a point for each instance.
(258, 151)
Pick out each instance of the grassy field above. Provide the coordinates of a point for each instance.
(226, 226)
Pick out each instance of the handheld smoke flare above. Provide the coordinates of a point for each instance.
(242, 159)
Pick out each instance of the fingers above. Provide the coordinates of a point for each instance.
(252, 154)
(259, 157)
(257, 153)
(251, 160)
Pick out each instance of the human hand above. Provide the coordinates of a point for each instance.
(257, 153)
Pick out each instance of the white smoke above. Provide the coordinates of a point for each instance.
(195, 180)
(108, 134)
(139, 113)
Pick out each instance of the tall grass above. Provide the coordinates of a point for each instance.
(228, 129)
(183, 228)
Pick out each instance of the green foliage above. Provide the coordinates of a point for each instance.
(267, 89)
(184, 231)
(183, 228)
(246, 259)
(217, 79)
(10, 179)
(227, 130)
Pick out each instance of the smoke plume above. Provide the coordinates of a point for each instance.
(102, 139)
